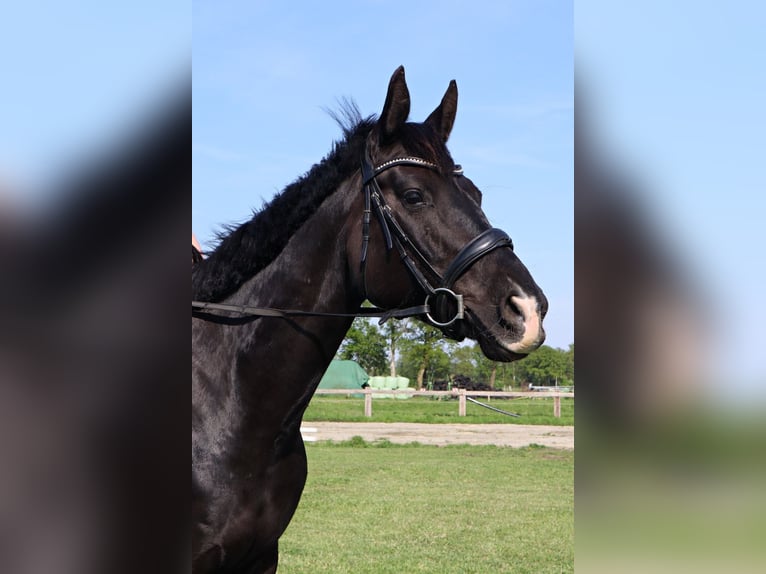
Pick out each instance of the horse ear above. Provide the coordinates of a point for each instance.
(443, 117)
(397, 106)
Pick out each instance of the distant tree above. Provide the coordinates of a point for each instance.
(422, 352)
(463, 361)
(365, 344)
(392, 332)
(470, 360)
(570, 364)
(547, 367)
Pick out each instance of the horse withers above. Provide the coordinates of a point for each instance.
(386, 216)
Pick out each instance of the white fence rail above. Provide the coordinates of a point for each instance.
(461, 395)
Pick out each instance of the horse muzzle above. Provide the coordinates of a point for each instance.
(523, 314)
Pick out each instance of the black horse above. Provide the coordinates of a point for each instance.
(387, 217)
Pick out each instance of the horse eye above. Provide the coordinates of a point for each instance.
(413, 197)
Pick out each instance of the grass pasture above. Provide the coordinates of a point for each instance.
(382, 508)
(539, 411)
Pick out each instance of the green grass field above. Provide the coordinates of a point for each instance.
(382, 508)
(429, 410)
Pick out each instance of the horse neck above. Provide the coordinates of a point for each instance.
(312, 274)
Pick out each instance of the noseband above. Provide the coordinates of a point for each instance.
(440, 300)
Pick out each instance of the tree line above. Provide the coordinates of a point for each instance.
(418, 351)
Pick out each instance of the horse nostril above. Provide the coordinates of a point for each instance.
(514, 312)
(512, 309)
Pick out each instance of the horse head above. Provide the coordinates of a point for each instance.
(424, 236)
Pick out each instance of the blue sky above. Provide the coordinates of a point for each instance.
(263, 73)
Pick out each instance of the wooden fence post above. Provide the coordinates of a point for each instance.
(461, 403)
(368, 402)
(557, 407)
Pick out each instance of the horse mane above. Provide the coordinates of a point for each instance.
(245, 249)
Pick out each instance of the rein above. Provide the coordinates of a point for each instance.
(203, 310)
(440, 300)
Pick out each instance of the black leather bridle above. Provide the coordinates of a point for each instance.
(442, 307)
(445, 306)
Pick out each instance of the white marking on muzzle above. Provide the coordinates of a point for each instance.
(533, 329)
